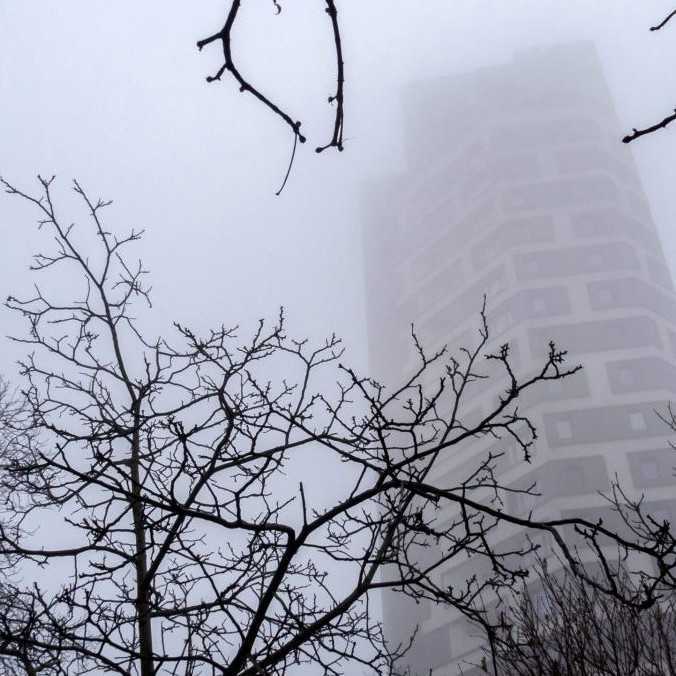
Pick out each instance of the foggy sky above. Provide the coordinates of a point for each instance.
(114, 94)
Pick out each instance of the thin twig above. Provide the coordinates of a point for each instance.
(288, 170)
(664, 22)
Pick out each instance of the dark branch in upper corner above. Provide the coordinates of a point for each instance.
(664, 22)
(637, 133)
(337, 98)
(225, 37)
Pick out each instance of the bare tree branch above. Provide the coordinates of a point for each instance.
(197, 543)
(560, 625)
(638, 133)
(224, 36)
(664, 21)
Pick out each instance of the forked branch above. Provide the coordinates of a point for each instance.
(224, 36)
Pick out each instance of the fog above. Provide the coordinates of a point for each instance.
(114, 95)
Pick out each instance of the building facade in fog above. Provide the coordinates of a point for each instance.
(516, 185)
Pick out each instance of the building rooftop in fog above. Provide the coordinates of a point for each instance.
(516, 186)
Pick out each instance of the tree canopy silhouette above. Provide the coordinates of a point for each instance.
(169, 490)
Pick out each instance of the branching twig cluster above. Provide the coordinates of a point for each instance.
(559, 625)
(224, 36)
(198, 542)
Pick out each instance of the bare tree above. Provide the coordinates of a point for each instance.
(173, 500)
(560, 625)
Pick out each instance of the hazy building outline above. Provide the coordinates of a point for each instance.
(516, 186)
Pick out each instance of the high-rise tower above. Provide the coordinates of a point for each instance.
(516, 186)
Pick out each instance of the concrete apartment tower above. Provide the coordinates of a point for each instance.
(517, 186)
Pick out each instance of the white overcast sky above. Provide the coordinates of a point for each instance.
(113, 93)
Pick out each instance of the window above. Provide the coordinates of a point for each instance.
(573, 480)
(522, 503)
(543, 603)
(627, 376)
(650, 470)
(564, 429)
(503, 322)
(637, 422)
(605, 296)
(555, 386)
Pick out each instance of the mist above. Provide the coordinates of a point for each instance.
(115, 96)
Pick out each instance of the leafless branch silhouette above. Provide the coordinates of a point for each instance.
(176, 472)
(559, 625)
(224, 36)
(667, 120)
